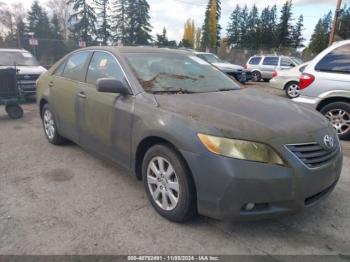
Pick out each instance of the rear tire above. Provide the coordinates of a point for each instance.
(14, 111)
(172, 194)
(266, 80)
(338, 113)
(50, 127)
(256, 76)
(292, 90)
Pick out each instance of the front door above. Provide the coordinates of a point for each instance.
(105, 118)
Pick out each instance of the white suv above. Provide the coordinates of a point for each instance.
(325, 85)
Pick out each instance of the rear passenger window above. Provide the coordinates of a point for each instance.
(337, 61)
(75, 65)
(103, 65)
(255, 61)
(287, 62)
(273, 61)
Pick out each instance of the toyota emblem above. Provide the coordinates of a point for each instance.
(328, 141)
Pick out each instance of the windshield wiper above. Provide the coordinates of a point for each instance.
(172, 91)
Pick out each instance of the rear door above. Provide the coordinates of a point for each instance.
(269, 64)
(332, 72)
(105, 118)
(64, 89)
(286, 63)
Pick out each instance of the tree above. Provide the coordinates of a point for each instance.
(162, 40)
(120, 20)
(139, 28)
(189, 35)
(83, 20)
(211, 27)
(344, 24)
(320, 37)
(197, 40)
(233, 28)
(63, 10)
(284, 27)
(297, 35)
(104, 30)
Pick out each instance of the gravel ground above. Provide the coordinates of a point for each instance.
(63, 200)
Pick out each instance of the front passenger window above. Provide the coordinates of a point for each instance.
(103, 65)
(75, 66)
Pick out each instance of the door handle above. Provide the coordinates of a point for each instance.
(82, 95)
(51, 84)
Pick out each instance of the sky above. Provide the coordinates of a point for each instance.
(173, 13)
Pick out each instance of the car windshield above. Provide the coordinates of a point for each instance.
(8, 58)
(210, 58)
(158, 72)
(296, 60)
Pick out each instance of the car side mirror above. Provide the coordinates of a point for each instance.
(111, 85)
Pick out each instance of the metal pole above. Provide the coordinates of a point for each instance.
(335, 22)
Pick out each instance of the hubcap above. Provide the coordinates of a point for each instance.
(293, 90)
(163, 183)
(49, 125)
(340, 120)
(256, 76)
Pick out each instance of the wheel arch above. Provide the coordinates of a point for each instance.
(289, 82)
(42, 102)
(330, 100)
(145, 144)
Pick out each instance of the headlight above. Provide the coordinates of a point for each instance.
(241, 149)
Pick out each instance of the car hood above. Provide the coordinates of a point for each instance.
(228, 66)
(31, 70)
(244, 114)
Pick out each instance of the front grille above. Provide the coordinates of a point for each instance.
(28, 77)
(313, 154)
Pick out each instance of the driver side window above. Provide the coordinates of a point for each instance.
(103, 65)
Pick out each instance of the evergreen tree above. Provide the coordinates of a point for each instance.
(21, 34)
(139, 27)
(320, 37)
(244, 25)
(344, 24)
(297, 36)
(162, 40)
(211, 25)
(104, 29)
(284, 27)
(233, 28)
(253, 29)
(83, 20)
(120, 20)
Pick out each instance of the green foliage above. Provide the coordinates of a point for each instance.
(120, 21)
(250, 29)
(320, 37)
(83, 21)
(104, 28)
(211, 27)
(344, 24)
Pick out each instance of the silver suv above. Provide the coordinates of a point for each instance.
(263, 66)
(325, 84)
(28, 68)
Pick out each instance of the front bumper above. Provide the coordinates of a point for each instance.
(225, 185)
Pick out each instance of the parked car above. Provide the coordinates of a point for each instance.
(263, 66)
(325, 85)
(288, 80)
(238, 72)
(28, 68)
(190, 133)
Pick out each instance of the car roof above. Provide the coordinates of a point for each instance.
(138, 49)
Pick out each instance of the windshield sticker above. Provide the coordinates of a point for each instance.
(103, 63)
(27, 55)
(199, 60)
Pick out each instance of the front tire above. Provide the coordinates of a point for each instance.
(338, 114)
(256, 76)
(50, 127)
(292, 90)
(168, 183)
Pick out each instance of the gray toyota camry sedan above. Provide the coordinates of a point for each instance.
(199, 143)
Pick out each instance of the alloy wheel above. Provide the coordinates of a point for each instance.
(163, 183)
(293, 90)
(49, 124)
(340, 120)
